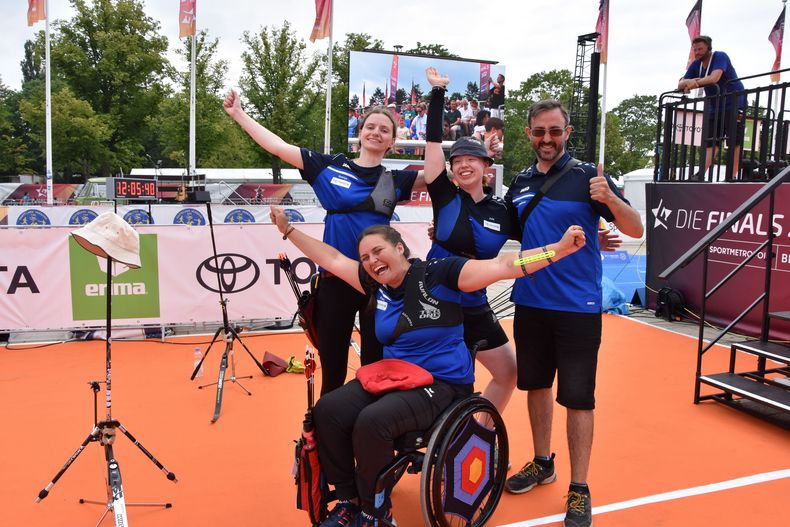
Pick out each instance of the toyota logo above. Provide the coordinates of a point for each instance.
(236, 273)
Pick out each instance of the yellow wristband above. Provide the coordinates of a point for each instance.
(522, 260)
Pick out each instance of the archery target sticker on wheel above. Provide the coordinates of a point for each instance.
(469, 469)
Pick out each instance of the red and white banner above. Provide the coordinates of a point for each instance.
(186, 18)
(36, 10)
(694, 26)
(602, 28)
(322, 27)
(485, 79)
(776, 37)
(393, 84)
(50, 282)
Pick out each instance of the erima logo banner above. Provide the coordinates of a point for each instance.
(135, 292)
(661, 214)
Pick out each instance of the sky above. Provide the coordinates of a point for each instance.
(648, 40)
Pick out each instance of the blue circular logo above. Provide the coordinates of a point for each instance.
(33, 217)
(82, 217)
(395, 217)
(239, 216)
(294, 215)
(138, 217)
(189, 217)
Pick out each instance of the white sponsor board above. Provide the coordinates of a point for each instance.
(48, 283)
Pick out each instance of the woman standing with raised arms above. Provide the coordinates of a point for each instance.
(469, 220)
(356, 194)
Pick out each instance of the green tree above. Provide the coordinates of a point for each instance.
(418, 93)
(377, 98)
(638, 118)
(111, 55)
(436, 50)
(279, 82)
(472, 91)
(79, 135)
(214, 131)
(32, 67)
(354, 102)
(12, 149)
(401, 96)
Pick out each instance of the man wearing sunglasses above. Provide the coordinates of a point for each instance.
(557, 325)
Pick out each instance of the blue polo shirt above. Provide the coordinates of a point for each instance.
(465, 228)
(341, 184)
(573, 283)
(440, 350)
(727, 83)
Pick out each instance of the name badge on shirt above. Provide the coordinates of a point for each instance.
(340, 182)
(381, 305)
(491, 225)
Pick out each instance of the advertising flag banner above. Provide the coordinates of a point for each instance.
(602, 28)
(775, 37)
(323, 20)
(186, 18)
(694, 26)
(393, 79)
(485, 79)
(36, 10)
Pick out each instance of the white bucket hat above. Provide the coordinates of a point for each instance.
(109, 235)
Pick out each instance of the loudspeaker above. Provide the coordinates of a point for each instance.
(199, 196)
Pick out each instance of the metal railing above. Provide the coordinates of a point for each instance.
(703, 246)
(720, 137)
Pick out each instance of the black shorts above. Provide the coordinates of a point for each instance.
(561, 342)
(718, 127)
(481, 324)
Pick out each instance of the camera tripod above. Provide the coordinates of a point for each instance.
(103, 432)
(229, 334)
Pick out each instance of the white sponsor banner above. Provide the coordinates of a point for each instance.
(142, 214)
(688, 127)
(47, 282)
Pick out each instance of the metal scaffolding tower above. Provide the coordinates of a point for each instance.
(584, 99)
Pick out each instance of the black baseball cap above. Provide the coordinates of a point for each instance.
(469, 146)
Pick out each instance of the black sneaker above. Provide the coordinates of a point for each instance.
(535, 472)
(343, 515)
(579, 512)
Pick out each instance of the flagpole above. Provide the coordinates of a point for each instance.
(328, 114)
(191, 167)
(48, 109)
(603, 115)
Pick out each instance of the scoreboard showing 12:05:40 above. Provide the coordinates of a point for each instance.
(132, 189)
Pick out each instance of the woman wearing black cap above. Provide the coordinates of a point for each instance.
(356, 194)
(419, 320)
(469, 220)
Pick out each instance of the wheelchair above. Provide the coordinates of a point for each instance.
(462, 459)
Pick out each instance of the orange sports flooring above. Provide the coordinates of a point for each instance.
(650, 440)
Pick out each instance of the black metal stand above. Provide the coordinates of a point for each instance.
(229, 335)
(103, 432)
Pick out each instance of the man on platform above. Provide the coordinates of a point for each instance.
(713, 71)
(557, 325)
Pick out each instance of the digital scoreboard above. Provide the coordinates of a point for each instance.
(132, 189)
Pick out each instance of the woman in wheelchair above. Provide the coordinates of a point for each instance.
(419, 320)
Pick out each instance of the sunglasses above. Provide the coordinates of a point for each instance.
(553, 132)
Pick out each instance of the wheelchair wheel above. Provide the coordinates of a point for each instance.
(465, 465)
